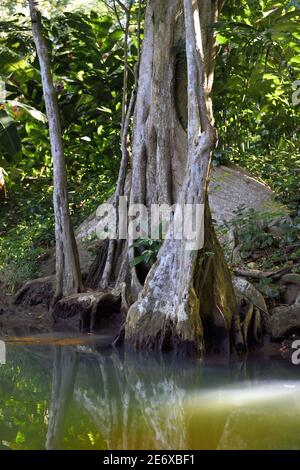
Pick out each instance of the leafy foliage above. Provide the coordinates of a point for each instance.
(257, 65)
(263, 231)
(87, 62)
(9, 137)
(149, 250)
(267, 242)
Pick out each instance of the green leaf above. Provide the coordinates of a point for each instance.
(221, 39)
(35, 113)
(20, 438)
(9, 137)
(138, 260)
(112, 39)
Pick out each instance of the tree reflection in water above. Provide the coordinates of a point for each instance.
(141, 403)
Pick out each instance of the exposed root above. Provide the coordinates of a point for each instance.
(254, 317)
(246, 323)
(247, 293)
(97, 267)
(187, 300)
(89, 310)
(38, 291)
(108, 267)
(257, 328)
(237, 335)
(162, 334)
(257, 274)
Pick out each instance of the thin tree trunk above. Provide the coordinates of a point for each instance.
(68, 277)
(2, 184)
(127, 109)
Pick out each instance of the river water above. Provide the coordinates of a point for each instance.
(76, 393)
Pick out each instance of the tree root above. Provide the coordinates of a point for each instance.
(257, 274)
(246, 323)
(246, 291)
(96, 270)
(87, 310)
(253, 313)
(38, 291)
(163, 334)
(106, 308)
(237, 335)
(258, 327)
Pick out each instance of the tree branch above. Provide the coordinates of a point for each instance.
(127, 10)
(117, 15)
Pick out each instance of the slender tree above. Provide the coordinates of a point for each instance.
(2, 184)
(68, 277)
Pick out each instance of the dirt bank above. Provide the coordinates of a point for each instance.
(17, 318)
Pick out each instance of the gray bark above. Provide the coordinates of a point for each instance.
(68, 277)
(187, 302)
(2, 184)
(175, 309)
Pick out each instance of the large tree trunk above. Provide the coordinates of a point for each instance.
(68, 277)
(187, 302)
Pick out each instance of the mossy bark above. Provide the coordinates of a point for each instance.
(187, 303)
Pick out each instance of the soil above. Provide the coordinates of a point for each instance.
(15, 318)
(20, 321)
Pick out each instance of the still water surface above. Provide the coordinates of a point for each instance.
(75, 393)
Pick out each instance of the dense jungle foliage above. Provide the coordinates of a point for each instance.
(256, 102)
